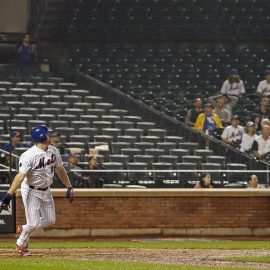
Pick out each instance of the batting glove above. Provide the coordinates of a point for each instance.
(5, 202)
(69, 194)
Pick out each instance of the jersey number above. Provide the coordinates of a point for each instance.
(52, 169)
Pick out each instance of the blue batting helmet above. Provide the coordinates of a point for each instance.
(39, 132)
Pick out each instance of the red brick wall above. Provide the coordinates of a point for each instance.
(180, 210)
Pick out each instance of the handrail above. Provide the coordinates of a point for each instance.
(170, 171)
(4, 166)
(5, 152)
(155, 171)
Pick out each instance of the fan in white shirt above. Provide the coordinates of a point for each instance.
(263, 88)
(233, 85)
(248, 137)
(261, 144)
(233, 133)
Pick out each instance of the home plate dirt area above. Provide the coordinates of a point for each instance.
(211, 257)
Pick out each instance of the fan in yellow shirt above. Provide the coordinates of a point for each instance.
(208, 120)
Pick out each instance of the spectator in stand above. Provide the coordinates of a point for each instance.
(14, 142)
(253, 182)
(26, 58)
(94, 179)
(57, 142)
(93, 164)
(72, 163)
(223, 105)
(264, 122)
(233, 85)
(208, 121)
(256, 119)
(233, 134)
(192, 114)
(248, 137)
(205, 181)
(15, 139)
(263, 110)
(263, 88)
(75, 177)
(221, 111)
(261, 144)
(5, 175)
(26, 52)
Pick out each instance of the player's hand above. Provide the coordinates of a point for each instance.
(5, 202)
(69, 194)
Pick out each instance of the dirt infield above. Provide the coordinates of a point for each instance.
(209, 257)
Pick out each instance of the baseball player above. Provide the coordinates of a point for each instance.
(36, 170)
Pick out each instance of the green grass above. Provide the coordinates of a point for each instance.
(156, 245)
(60, 264)
(257, 259)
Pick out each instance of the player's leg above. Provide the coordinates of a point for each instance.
(32, 202)
(25, 193)
(47, 211)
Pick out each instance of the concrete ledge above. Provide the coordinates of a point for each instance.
(211, 231)
(96, 232)
(161, 193)
(61, 233)
(126, 232)
(261, 231)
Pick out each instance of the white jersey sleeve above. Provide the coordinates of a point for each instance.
(242, 88)
(225, 133)
(260, 87)
(25, 164)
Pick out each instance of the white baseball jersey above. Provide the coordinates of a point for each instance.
(263, 88)
(39, 165)
(233, 89)
(233, 134)
(247, 142)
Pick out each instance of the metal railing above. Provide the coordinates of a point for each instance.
(159, 178)
(7, 153)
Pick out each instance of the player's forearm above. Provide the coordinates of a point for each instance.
(63, 176)
(16, 183)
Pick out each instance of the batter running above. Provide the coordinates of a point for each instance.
(36, 170)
